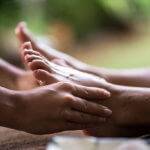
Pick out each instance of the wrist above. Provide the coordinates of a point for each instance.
(130, 106)
(121, 104)
(10, 108)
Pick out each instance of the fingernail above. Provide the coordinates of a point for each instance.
(107, 111)
(107, 93)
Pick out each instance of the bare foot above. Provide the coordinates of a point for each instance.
(24, 35)
(43, 69)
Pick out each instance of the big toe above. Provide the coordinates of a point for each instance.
(22, 32)
(39, 64)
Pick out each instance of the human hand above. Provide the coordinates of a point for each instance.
(59, 107)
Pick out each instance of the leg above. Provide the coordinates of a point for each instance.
(15, 78)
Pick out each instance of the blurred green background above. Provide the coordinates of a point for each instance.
(108, 33)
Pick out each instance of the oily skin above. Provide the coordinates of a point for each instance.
(34, 61)
(54, 108)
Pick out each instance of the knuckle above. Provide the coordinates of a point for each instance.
(68, 99)
(65, 86)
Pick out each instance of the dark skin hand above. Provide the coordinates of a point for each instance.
(56, 57)
(54, 108)
(130, 105)
(121, 96)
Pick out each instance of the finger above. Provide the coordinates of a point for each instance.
(90, 107)
(80, 117)
(89, 92)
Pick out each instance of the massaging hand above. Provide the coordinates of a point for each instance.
(60, 107)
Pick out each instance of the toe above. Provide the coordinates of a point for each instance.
(39, 64)
(26, 45)
(30, 58)
(44, 76)
(18, 32)
(30, 52)
(22, 32)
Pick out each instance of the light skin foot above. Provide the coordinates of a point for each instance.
(24, 35)
(35, 61)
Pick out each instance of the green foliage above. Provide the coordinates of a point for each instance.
(9, 13)
(81, 15)
(89, 15)
(84, 16)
